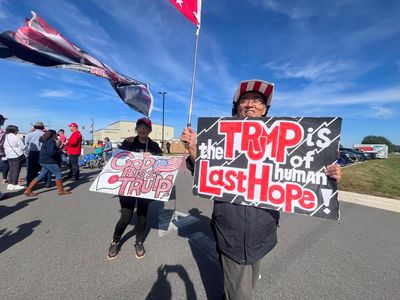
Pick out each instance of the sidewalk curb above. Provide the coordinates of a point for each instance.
(371, 201)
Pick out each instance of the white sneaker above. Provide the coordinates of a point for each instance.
(18, 187)
(10, 187)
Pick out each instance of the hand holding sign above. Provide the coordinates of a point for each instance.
(333, 171)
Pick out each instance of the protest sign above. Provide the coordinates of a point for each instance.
(132, 174)
(271, 163)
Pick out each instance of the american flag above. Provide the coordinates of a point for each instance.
(40, 44)
(167, 164)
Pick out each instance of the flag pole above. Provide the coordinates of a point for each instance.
(193, 78)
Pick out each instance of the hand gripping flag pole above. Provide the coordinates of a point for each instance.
(191, 9)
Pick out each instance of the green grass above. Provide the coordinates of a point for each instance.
(378, 177)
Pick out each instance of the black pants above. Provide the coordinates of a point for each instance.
(127, 208)
(15, 169)
(33, 167)
(73, 167)
(4, 167)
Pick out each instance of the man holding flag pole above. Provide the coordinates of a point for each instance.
(243, 234)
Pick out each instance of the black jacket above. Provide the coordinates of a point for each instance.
(133, 144)
(243, 233)
(49, 153)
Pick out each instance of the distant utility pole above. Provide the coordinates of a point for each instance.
(163, 109)
(92, 131)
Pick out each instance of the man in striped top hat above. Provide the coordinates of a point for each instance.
(244, 234)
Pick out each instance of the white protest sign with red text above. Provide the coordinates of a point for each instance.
(132, 174)
(272, 163)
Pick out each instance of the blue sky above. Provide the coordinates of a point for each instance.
(326, 58)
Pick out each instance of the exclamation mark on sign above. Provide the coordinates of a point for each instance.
(326, 196)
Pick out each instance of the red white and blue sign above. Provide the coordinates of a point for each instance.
(132, 174)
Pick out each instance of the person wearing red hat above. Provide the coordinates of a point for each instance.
(140, 143)
(74, 148)
(243, 234)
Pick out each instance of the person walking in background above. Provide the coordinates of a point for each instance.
(4, 167)
(2, 152)
(62, 139)
(49, 159)
(61, 143)
(33, 150)
(168, 144)
(140, 143)
(14, 149)
(107, 151)
(74, 148)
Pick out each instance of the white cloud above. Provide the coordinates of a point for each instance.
(3, 10)
(324, 97)
(76, 79)
(381, 30)
(301, 9)
(313, 71)
(154, 42)
(57, 94)
(380, 112)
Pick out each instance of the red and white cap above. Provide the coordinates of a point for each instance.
(254, 85)
(73, 124)
(145, 121)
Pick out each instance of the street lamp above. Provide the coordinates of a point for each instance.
(163, 108)
(92, 126)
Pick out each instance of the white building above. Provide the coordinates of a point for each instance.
(120, 130)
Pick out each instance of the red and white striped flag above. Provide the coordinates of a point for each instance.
(191, 9)
(38, 43)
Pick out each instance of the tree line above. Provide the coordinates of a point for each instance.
(373, 139)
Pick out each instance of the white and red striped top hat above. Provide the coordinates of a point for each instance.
(254, 85)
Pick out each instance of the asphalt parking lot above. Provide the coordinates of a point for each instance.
(54, 247)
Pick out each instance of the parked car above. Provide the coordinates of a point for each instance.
(371, 155)
(345, 158)
(351, 156)
(361, 156)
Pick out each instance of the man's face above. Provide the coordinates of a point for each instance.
(142, 130)
(251, 104)
(72, 128)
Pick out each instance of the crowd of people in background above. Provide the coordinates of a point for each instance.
(44, 151)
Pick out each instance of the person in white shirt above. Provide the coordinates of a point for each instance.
(14, 149)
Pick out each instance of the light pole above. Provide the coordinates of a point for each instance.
(92, 131)
(163, 108)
